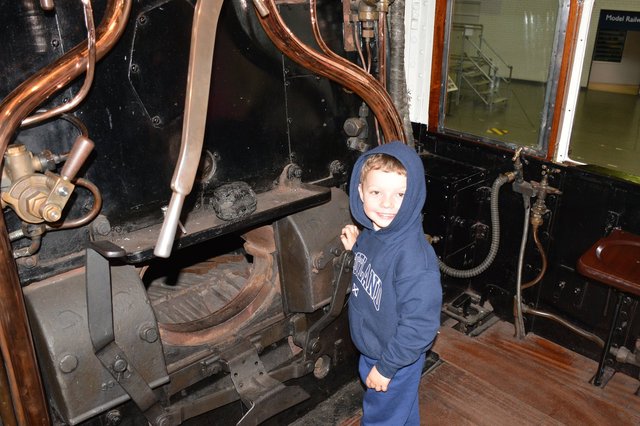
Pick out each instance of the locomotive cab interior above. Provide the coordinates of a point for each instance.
(175, 180)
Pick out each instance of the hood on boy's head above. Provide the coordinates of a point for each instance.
(414, 197)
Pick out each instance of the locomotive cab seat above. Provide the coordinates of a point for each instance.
(613, 261)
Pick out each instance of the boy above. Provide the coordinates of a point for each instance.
(394, 306)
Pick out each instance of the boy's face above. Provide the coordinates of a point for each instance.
(382, 193)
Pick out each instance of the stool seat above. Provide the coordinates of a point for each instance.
(615, 261)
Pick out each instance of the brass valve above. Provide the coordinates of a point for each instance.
(542, 188)
(33, 192)
(381, 5)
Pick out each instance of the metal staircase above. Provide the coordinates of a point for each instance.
(478, 68)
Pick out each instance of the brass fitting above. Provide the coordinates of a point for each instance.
(51, 212)
(35, 197)
(27, 197)
(19, 162)
(367, 13)
(536, 220)
(380, 5)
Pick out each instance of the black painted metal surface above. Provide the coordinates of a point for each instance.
(264, 112)
(588, 208)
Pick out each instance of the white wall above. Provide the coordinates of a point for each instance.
(626, 5)
(521, 31)
(419, 23)
(625, 72)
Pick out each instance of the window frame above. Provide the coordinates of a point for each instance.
(564, 49)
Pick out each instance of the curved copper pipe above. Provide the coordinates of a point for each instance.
(382, 48)
(543, 255)
(313, 11)
(337, 69)
(31, 249)
(91, 214)
(88, 80)
(15, 336)
(44, 83)
(532, 311)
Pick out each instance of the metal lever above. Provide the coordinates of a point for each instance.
(342, 268)
(79, 153)
(101, 331)
(203, 36)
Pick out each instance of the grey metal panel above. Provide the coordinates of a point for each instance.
(79, 386)
(305, 241)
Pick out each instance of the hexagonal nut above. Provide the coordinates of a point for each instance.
(33, 202)
(16, 149)
(149, 334)
(51, 212)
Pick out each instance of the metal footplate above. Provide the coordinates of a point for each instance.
(263, 395)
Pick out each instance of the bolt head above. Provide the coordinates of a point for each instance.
(51, 213)
(119, 365)
(149, 334)
(68, 363)
(63, 191)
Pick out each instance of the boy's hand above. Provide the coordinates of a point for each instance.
(377, 381)
(349, 235)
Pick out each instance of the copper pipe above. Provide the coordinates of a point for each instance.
(359, 47)
(587, 335)
(368, 57)
(46, 4)
(15, 336)
(382, 48)
(323, 46)
(337, 69)
(77, 123)
(27, 393)
(44, 83)
(88, 80)
(316, 30)
(543, 255)
(7, 416)
(91, 214)
(31, 249)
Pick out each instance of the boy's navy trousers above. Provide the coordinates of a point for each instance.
(399, 404)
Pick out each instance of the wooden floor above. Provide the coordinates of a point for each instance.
(494, 379)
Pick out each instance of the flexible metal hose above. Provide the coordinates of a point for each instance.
(495, 237)
(397, 76)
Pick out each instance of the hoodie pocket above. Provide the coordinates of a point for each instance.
(363, 336)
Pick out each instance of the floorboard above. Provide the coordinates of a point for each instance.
(544, 383)
(496, 379)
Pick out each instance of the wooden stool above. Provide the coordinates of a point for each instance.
(613, 261)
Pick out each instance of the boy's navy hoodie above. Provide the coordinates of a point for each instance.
(394, 306)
